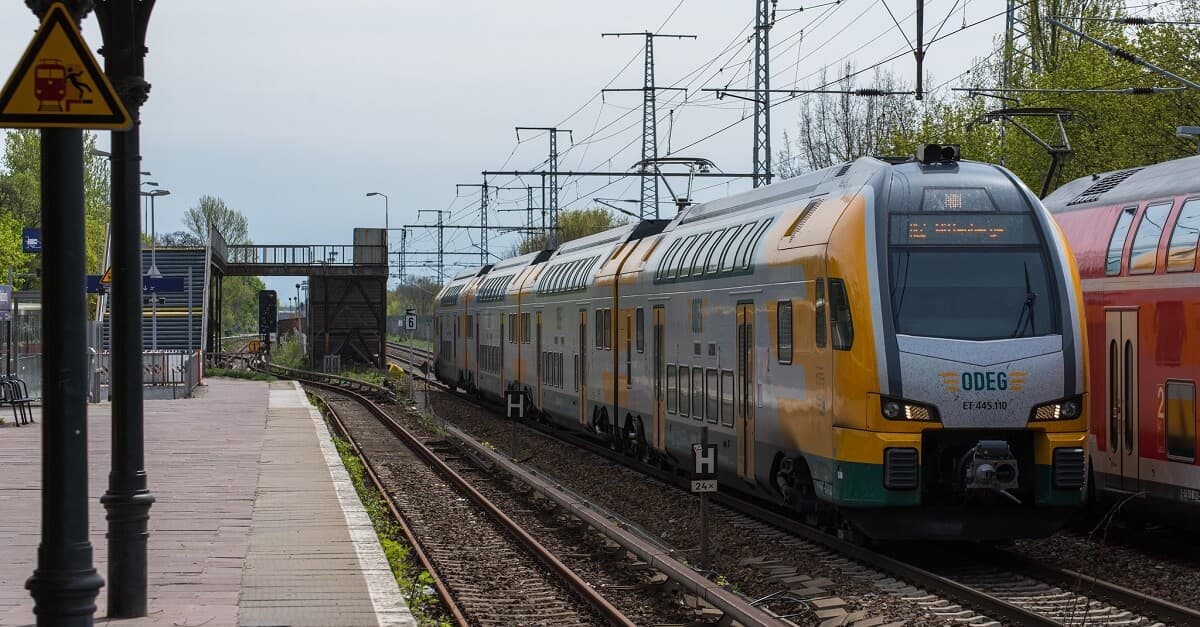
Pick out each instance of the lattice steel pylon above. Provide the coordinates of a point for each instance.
(649, 196)
(552, 236)
(762, 93)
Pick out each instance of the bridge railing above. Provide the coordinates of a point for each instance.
(307, 254)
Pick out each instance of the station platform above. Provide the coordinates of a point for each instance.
(256, 521)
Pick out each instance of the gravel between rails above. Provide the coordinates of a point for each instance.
(671, 515)
(1139, 564)
(493, 579)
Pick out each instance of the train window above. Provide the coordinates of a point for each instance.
(698, 393)
(685, 387)
(747, 261)
(712, 394)
(784, 320)
(727, 398)
(681, 263)
(1113, 395)
(575, 365)
(697, 316)
(698, 259)
(677, 261)
(666, 259)
(729, 253)
(558, 318)
(712, 260)
(599, 325)
(641, 330)
(672, 388)
(526, 328)
(470, 326)
(608, 329)
(1116, 244)
(1181, 255)
(1143, 254)
(819, 301)
(839, 308)
(629, 350)
(1181, 420)
(512, 328)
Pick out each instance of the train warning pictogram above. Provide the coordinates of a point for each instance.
(58, 84)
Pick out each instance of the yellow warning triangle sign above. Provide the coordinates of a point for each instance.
(58, 84)
(106, 278)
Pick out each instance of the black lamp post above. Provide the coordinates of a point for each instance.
(127, 500)
(65, 583)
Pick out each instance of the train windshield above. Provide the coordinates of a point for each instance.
(970, 277)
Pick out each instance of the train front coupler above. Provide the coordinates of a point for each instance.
(990, 466)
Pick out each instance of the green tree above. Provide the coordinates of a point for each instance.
(20, 200)
(572, 224)
(239, 309)
(212, 212)
(414, 293)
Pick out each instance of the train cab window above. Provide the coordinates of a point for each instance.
(712, 395)
(783, 318)
(1181, 420)
(672, 388)
(1181, 254)
(1116, 244)
(698, 393)
(820, 331)
(685, 390)
(839, 308)
(727, 398)
(1143, 254)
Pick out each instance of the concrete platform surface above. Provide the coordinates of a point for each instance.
(256, 521)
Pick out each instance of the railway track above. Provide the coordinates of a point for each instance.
(487, 569)
(994, 585)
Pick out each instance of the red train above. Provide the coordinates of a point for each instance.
(1134, 233)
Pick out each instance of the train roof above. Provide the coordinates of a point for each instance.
(1159, 180)
(472, 272)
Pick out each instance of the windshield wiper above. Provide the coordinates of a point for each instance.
(1025, 319)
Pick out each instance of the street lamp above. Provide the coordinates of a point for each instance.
(385, 208)
(299, 311)
(146, 206)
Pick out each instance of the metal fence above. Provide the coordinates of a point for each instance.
(306, 254)
(177, 370)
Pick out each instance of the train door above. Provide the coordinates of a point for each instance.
(582, 369)
(478, 357)
(540, 358)
(458, 365)
(1121, 327)
(660, 380)
(745, 391)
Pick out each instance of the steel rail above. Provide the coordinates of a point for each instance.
(439, 585)
(577, 584)
(1093, 587)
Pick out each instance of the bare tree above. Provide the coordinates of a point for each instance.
(834, 128)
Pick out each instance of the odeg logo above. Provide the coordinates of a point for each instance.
(977, 381)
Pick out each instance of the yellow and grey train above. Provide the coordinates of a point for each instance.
(891, 345)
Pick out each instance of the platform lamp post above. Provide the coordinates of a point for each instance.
(153, 273)
(385, 226)
(128, 499)
(65, 583)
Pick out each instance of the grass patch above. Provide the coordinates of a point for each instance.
(374, 377)
(417, 343)
(290, 354)
(415, 582)
(238, 374)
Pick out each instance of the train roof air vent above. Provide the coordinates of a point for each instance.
(843, 170)
(1106, 184)
(804, 216)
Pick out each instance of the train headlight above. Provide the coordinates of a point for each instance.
(1064, 409)
(900, 409)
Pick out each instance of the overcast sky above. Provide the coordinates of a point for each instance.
(292, 111)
